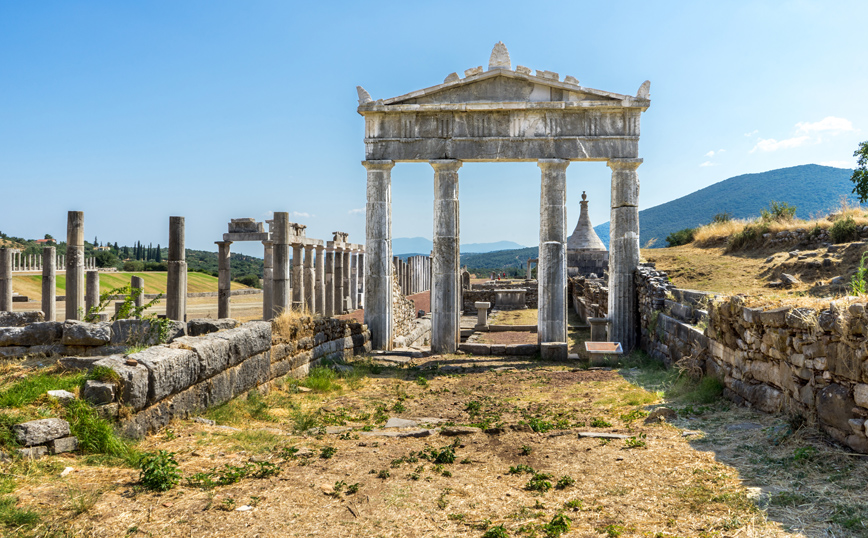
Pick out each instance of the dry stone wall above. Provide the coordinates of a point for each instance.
(487, 293)
(807, 361)
(403, 312)
(590, 297)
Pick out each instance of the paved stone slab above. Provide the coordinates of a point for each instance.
(61, 395)
(33, 452)
(400, 423)
(38, 432)
(397, 435)
(63, 444)
(77, 333)
(20, 319)
(602, 435)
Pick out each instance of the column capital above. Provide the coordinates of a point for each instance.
(624, 164)
(320, 248)
(553, 164)
(222, 242)
(378, 165)
(445, 165)
(268, 244)
(308, 248)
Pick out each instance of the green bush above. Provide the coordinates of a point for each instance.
(251, 281)
(844, 230)
(132, 266)
(750, 235)
(159, 471)
(726, 216)
(778, 212)
(681, 237)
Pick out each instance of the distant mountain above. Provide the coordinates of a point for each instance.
(500, 259)
(812, 188)
(420, 245)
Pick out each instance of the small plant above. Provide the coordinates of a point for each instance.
(474, 408)
(557, 526)
(634, 415)
(525, 450)
(352, 489)
(612, 530)
(805, 453)
(288, 452)
(496, 532)
(159, 471)
(539, 482)
(565, 482)
(778, 212)
(600, 423)
(399, 407)
(635, 442)
(521, 468)
(575, 504)
(422, 382)
(384, 474)
(844, 230)
(859, 282)
(327, 452)
(228, 504)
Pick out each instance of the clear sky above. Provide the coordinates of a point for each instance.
(135, 111)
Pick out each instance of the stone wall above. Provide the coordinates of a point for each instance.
(403, 312)
(589, 297)
(487, 293)
(797, 360)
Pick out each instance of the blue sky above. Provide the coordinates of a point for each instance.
(135, 111)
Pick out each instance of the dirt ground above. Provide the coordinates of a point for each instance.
(710, 471)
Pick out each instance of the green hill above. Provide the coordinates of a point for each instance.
(812, 188)
(514, 260)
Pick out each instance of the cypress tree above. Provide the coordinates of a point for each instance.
(159, 255)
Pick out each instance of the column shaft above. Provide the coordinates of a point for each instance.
(330, 283)
(552, 264)
(624, 252)
(224, 280)
(354, 281)
(297, 277)
(6, 279)
(309, 279)
(49, 283)
(91, 298)
(445, 296)
(361, 257)
(280, 274)
(339, 282)
(176, 285)
(267, 280)
(75, 265)
(319, 270)
(378, 247)
(137, 287)
(345, 296)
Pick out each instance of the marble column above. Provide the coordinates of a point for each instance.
(445, 296)
(6, 279)
(267, 280)
(49, 283)
(339, 302)
(330, 283)
(138, 283)
(176, 285)
(319, 286)
(224, 280)
(281, 290)
(346, 280)
(552, 264)
(75, 265)
(624, 253)
(309, 279)
(361, 257)
(297, 277)
(378, 247)
(91, 297)
(354, 281)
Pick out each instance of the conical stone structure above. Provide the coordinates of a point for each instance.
(586, 254)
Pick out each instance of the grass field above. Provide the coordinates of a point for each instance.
(155, 282)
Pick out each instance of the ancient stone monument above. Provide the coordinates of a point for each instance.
(503, 115)
(586, 253)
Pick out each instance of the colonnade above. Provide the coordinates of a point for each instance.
(23, 263)
(414, 274)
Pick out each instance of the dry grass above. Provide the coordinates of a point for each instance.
(289, 323)
(527, 316)
(666, 488)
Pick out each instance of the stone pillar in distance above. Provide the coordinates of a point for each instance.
(297, 277)
(446, 292)
(552, 264)
(361, 257)
(224, 279)
(267, 280)
(280, 294)
(91, 297)
(319, 286)
(345, 296)
(6, 279)
(75, 265)
(138, 283)
(354, 282)
(378, 247)
(49, 283)
(339, 281)
(329, 283)
(176, 285)
(624, 253)
(309, 280)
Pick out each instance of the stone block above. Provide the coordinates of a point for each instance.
(61, 395)
(12, 352)
(78, 363)
(802, 318)
(835, 406)
(39, 432)
(252, 372)
(860, 395)
(63, 444)
(858, 442)
(98, 392)
(32, 453)
(522, 349)
(34, 334)
(475, 349)
(135, 383)
(247, 340)
(200, 326)
(775, 318)
(554, 351)
(20, 319)
(170, 370)
(77, 333)
(213, 353)
(497, 349)
(141, 332)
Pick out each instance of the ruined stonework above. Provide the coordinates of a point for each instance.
(487, 293)
(783, 360)
(403, 312)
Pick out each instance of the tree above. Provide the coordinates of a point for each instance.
(159, 256)
(95, 241)
(48, 236)
(860, 174)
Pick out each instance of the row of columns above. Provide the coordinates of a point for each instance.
(552, 264)
(33, 262)
(82, 292)
(413, 275)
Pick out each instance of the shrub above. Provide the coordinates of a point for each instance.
(720, 218)
(557, 526)
(539, 482)
(778, 212)
(133, 266)
(159, 471)
(749, 235)
(859, 282)
(681, 237)
(251, 281)
(844, 230)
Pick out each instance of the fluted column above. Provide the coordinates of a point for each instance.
(445, 296)
(552, 265)
(49, 283)
(354, 281)
(267, 280)
(176, 284)
(624, 252)
(224, 280)
(280, 301)
(297, 277)
(361, 257)
(378, 247)
(345, 303)
(75, 265)
(309, 279)
(6, 279)
(330, 283)
(339, 281)
(319, 286)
